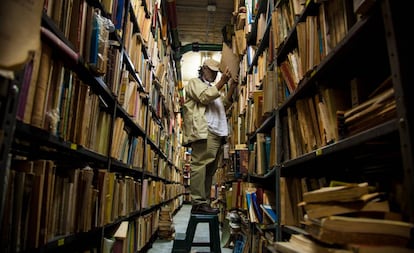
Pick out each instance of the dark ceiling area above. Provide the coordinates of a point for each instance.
(202, 21)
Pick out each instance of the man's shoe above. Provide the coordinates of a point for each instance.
(204, 209)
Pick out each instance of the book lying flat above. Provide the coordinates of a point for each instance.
(305, 244)
(379, 249)
(340, 237)
(359, 230)
(368, 225)
(342, 193)
(367, 203)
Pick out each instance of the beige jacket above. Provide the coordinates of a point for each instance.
(197, 96)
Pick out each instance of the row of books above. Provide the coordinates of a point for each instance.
(46, 200)
(55, 99)
(258, 202)
(133, 235)
(75, 84)
(291, 70)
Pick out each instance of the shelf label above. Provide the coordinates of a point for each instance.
(61, 242)
(73, 146)
(318, 152)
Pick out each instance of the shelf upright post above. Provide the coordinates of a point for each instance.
(278, 141)
(400, 49)
(9, 97)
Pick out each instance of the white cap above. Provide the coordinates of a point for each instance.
(212, 64)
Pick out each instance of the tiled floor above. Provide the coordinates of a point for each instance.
(180, 221)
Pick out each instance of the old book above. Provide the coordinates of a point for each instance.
(309, 140)
(144, 196)
(269, 92)
(53, 105)
(85, 128)
(77, 21)
(7, 218)
(300, 243)
(366, 238)
(360, 248)
(373, 111)
(288, 76)
(312, 45)
(73, 175)
(107, 245)
(240, 38)
(110, 198)
(64, 103)
(368, 225)
(335, 99)
(85, 194)
(69, 207)
(56, 202)
(241, 161)
(81, 109)
(25, 86)
(88, 26)
(24, 184)
(318, 210)
(73, 112)
(27, 117)
(115, 200)
(295, 138)
(256, 204)
(121, 234)
(250, 206)
(103, 185)
(36, 205)
(261, 161)
(340, 193)
(229, 60)
(269, 212)
(326, 129)
(258, 108)
(315, 121)
(286, 214)
(42, 85)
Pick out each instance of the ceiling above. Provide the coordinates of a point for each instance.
(202, 20)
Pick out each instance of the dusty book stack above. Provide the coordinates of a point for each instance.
(166, 228)
(352, 215)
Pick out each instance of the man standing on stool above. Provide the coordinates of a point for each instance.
(205, 130)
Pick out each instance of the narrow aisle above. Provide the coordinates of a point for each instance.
(180, 221)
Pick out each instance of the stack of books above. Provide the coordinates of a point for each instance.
(166, 228)
(352, 215)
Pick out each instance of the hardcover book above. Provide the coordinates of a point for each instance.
(337, 193)
(269, 212)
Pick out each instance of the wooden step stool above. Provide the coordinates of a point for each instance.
(184, 242)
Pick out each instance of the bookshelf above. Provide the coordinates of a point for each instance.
(8, 108)
(334, 79)
(93, 143)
